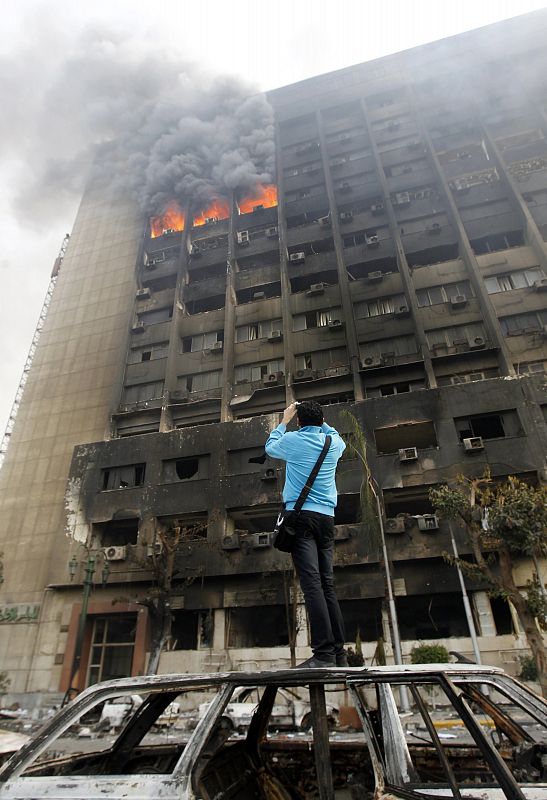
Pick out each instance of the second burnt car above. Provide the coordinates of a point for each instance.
(500, 750)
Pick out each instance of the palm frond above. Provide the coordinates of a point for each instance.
(357, 442)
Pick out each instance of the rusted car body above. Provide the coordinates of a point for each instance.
(499, 751)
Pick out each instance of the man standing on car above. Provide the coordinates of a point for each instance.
(313, 546)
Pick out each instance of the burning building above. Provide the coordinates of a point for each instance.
(397, 268)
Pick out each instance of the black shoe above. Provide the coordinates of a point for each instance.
(316, 663)
(342, 659)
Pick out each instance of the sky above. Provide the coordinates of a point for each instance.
(60, 59)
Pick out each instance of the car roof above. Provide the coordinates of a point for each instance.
(288, 677)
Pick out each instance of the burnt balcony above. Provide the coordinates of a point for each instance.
(256, 276)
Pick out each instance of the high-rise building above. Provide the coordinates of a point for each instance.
(397, 268)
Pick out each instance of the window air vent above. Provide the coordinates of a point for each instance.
(297, 258)
(408, 454)
(473, 443)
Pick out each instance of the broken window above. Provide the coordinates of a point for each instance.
(489, 426)
(363, 619)
(201, 341)
(319, 279)
(409, 501)
(141, 392)
(431, 616)
(265, 626)
(112, 646)
(204, 381)
(388, 348)
(407, 434)
(150, 352)
(322, 359)
(465, 336)
(261, 292)
(501, 613)
(183, 469)
(206, 304)
(529, 322)
(316, 319)
(122, 477)
(348, 510)
(498, 241)
(520, 279)
(467, 377)
(432, 255)
(389, 389)
(191, 629)
(155, 316)
(434, 295)
(247, 373)
(258, 330)
(117, 533)
(380, 306)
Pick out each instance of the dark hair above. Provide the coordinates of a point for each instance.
(309, 412)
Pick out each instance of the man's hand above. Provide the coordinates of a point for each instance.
(289, 413)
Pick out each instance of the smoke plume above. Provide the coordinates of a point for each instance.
(148, 122)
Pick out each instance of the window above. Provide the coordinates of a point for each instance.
(315, 319)
(246, 373)
(155, 316)
(201, 341)
(496, 242)
(496, 425)
(389, 348)
(150, 352)
(523, 323)
(389, 389)
(268, 628)
(379, 306)
(434, 295)
(258, 330)
(322, 359)
(184, 469)
(410, 434)
(123, 477)
(520, 279)
(457, 335)
(113, 641)
(142, 392)
(204, 380)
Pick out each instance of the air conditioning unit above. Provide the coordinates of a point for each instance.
(179, 396)
(408, 454)
(210, 220)
(369, 362)
(115, 553)
(217, 347)
(324, 221)
(143, 294)
(273, 379)
(335, 324)
(138, 327)
(433, 228)
(230, 542)
(297, 258)
(271, 233)
(428, 522)
(243, 237)
(155, 549)
(541, 285)
(458, 301)
(337, 162)
(315, 289)
(303, 375)
(259, 295)
(275, 336)
(402, 311)
(345, 188)
(377, 209)
(261, 540)
(372, 241)
(477, 343)
(402, 198)
(269, 474)
(336, 372)
(395, 525)
(473, 443)
(375, 277)
(346, 216)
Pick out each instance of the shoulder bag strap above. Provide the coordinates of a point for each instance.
(312, 476)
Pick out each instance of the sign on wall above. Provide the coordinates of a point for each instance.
(19, 613)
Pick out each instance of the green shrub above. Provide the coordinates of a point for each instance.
(429, 654)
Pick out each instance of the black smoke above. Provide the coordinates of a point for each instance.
(146, 121)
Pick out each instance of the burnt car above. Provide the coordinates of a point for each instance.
(493, 744)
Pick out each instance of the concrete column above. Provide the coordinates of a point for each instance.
(229, 322)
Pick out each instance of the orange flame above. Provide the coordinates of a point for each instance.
(265, 195)
(171, 220)
(218, 209)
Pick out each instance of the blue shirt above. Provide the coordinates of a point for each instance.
(301, 449)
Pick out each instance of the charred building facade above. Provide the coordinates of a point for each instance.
(398, 269)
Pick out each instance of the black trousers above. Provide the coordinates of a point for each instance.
(312, 555)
